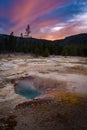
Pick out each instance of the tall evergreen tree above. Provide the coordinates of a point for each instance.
(28, 31)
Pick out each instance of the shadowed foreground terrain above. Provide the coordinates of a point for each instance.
(68, 112)
(61, 81)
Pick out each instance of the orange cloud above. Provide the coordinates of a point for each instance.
(69, 29)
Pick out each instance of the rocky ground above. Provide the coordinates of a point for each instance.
(62, 82)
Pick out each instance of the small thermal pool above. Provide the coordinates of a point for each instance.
(26, 89)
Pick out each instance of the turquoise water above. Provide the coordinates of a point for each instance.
(27, 91)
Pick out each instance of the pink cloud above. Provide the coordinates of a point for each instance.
(26, 11)
(23, 12)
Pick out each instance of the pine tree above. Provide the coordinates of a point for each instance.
(21, 35)
(28, 31)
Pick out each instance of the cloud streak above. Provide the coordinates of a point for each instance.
(49, 19)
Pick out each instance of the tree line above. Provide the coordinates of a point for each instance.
(39, 47)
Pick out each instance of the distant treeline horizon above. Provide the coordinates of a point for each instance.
(71, 46)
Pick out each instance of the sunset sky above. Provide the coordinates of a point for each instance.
(48, 19)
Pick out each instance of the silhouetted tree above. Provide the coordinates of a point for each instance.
(21, 35)
(27, 31)
(12, 34)
(46, 52)
(11, 42)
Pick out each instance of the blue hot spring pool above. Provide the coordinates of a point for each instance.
(27, 90)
